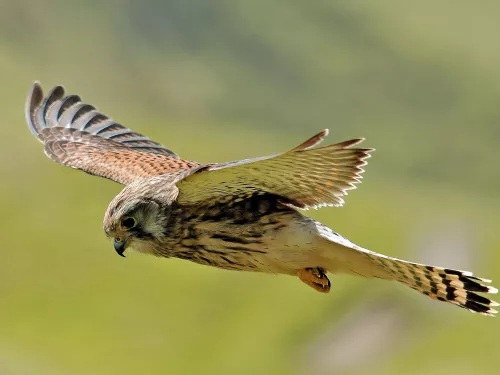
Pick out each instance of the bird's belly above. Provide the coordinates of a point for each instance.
(280, 243)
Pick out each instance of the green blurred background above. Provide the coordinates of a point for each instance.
(220, 80)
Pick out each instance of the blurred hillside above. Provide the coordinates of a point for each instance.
(221, 80)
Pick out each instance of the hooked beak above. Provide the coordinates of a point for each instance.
(120, 247)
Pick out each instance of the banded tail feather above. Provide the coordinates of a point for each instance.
(460, 288)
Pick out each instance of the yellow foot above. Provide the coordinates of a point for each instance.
(316, 278)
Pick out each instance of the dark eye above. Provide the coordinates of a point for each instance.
(128, 223)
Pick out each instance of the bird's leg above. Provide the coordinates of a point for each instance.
(316, 278)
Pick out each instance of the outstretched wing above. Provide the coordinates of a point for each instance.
(77, 135)
(305, 176)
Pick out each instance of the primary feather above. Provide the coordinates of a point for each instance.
(75, 134)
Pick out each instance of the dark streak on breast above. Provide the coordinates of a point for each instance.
(238, 237)
(244, 249)
(240, 240)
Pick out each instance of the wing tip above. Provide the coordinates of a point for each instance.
(348, 144)
(36, 102)
(311, 142)
(33, 101)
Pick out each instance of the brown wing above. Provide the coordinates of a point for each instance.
(304, 176)
(77, 135)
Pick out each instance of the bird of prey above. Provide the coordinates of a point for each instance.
(243, 215)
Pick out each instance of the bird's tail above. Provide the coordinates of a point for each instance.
(460, 288)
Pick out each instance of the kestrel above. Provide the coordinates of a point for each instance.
(242, 215)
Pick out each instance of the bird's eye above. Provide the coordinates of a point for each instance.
(129, 223)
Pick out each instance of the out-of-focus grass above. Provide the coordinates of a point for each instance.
(230, 80)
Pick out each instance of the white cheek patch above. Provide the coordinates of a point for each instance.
(140, 246)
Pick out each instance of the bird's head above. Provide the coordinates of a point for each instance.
(137, 217)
